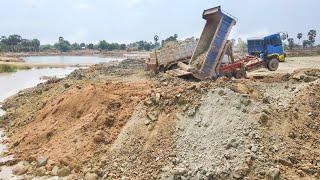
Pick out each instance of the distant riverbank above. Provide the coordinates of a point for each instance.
(18, 57)
(12, 62)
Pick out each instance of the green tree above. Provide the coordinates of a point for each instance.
(35, 43)
(13, 41)
(76, 46)
(291, 43)
(169, 39)
(242, 46)
(103, 45)
(123, 46)
(25, 45)
(46, 47)
(299, 36)
(90, 46)
(113, 46)
(83, 45)
(62, 45)
(312, 36)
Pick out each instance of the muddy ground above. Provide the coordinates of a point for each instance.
(120, 122)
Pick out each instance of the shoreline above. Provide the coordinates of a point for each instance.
(18, 57)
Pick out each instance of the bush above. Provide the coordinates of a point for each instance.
(6, 68)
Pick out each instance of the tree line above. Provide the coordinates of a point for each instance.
(15, 43)
(308, 42)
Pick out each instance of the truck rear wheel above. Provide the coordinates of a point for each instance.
(273, 64)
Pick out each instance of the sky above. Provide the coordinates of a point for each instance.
(127, 21)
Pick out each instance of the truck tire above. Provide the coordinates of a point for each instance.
(239, 74)
(273, 64)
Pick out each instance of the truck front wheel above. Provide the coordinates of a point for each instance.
(273, 64)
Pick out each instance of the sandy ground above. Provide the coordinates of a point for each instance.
(291, 64)
(120, 122)
(41, 65)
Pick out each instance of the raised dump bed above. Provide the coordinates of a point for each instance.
(207, 57)
(172, 53)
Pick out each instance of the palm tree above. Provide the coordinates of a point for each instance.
(13, 41)
(312, 36)
(299, 36)
(35, 44)
(291, 43)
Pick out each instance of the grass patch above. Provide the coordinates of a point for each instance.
(8, 68)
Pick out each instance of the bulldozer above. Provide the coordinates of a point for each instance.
(204, 58)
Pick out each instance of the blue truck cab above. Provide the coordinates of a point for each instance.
(269, 47)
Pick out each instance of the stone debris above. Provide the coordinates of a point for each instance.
(119, 122)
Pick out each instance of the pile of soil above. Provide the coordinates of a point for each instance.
(70, 129)
(118, 122)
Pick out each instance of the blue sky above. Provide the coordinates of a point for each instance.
(132, 20)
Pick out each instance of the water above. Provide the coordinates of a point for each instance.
(12, 83)
(70, 60)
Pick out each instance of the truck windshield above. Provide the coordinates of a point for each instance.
(276, 41)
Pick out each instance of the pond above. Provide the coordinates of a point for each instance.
(70, 60)
(12, 83)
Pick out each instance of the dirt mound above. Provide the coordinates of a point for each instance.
(72, 128)
(291, 139)
(118, 122)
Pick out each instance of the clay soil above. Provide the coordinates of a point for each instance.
(118, 122)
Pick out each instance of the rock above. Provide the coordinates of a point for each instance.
(148, 102)
(147, 122)
(245, 102)
(292, 135)
(64, 171)
(61, 171)
(273, 174)
(254, 148)
(41, 171)
(152, 116)
(41, 161)
(263, 118)
(78, 87)
(285, 162)
(66, 85)
(158, 97)
(266, 100)
(232, 143)
(310, 170)
(99, 137)
(221, 92)
(70, 177)
(54, 170)
(286, 77)
(241, 171)
(179, 171)
(91, 176)
(20, 168)
(192, 112)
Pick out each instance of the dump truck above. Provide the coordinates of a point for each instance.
(206, 61)
(267, 47)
